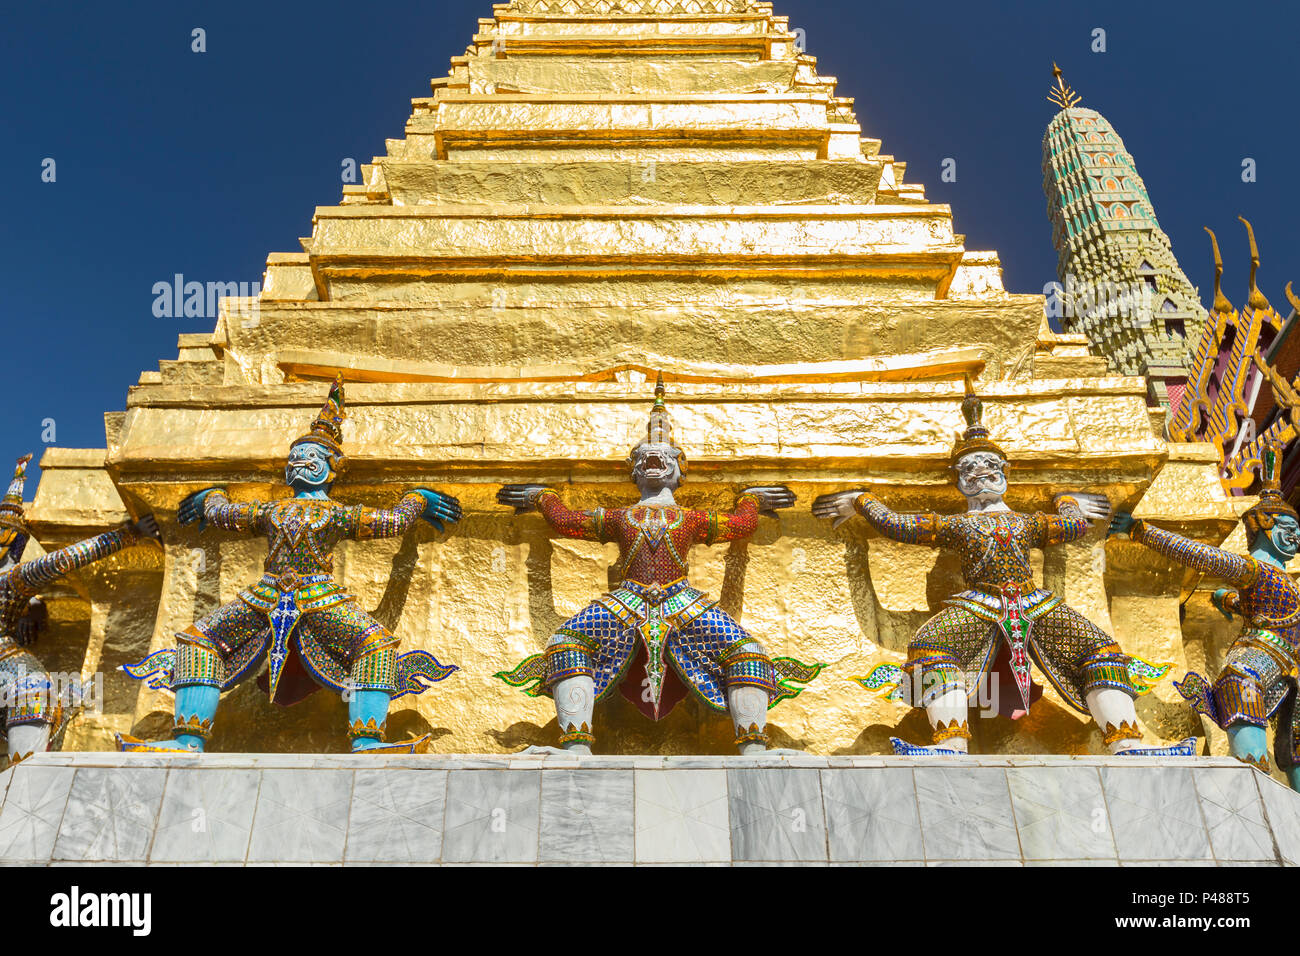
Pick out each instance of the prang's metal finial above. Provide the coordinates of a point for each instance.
(1061, 94)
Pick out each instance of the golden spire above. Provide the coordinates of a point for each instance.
(1221, 303)
(1257, 299)
(1061, 94)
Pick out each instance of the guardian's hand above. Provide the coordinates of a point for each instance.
(1122, 523)
(147, 528)
(1225, 599)
(191, 508)
(32, 623)
(520, 497)
(1094, 507)
(771, 497)
(439, 510)
(838, 506)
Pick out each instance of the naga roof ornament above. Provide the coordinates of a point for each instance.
(1257, 299)
(1221, 303)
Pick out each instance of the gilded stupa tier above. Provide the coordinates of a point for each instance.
(596, 192)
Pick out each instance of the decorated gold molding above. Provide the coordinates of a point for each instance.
(949, 364)
(620, 7)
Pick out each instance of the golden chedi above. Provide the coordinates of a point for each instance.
(591, 195)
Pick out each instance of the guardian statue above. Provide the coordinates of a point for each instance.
(33, 706)
(1258, 679)
(297, 621)
(655, 635)
(958, 649)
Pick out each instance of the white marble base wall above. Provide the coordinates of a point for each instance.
(249, 809)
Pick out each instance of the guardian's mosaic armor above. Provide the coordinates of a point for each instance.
(981, 646)
(308, 631)
(655, 635)
(654, 608)
(297, 606)
(26, 690)
(1258, 680)
(1003, 605)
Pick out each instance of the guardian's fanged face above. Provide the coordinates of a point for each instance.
(1285, 534)
(655, 465)
(982, 474)
(308, 465)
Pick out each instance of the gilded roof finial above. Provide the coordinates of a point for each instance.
(1061, 94)
(1221, 303)
(1257, 299)
(1295, 303)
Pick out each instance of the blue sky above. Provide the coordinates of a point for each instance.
(169, 161)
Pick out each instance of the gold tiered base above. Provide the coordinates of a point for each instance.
(582, 201)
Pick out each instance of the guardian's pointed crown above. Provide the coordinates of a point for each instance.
(976, 436)
(11, 508)
(1271, 503)
(327, 429)
(659, 429)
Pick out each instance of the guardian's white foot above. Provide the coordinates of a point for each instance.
(748, 707)
(575, 698)
(948, 715)
(27, 739)
(1115, 714)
